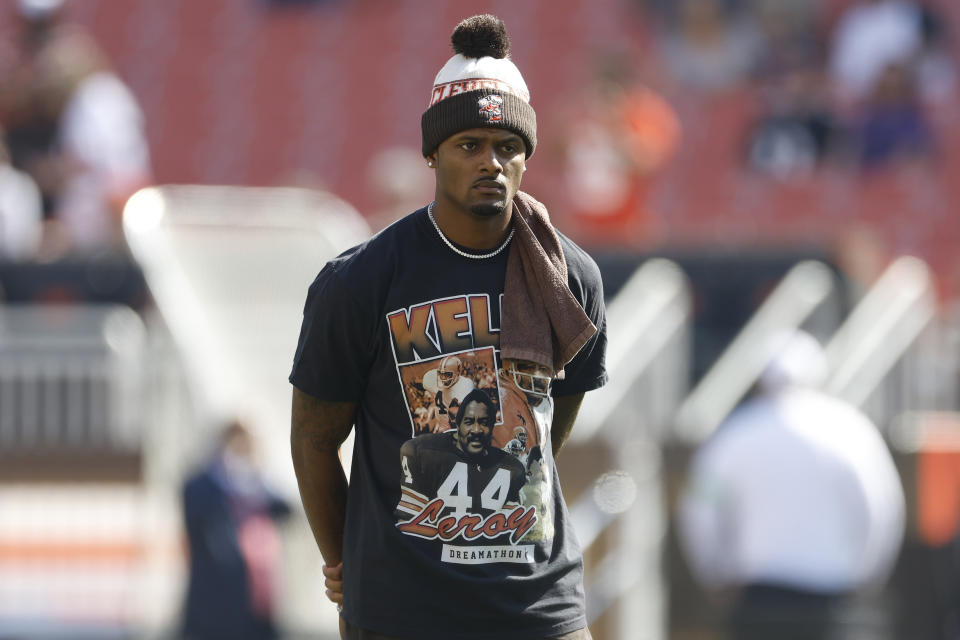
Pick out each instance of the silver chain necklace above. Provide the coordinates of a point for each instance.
(460, 252)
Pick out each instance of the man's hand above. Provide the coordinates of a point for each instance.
(333, 580)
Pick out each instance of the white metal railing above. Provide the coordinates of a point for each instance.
(878, 334)
(92, 559)
(229, 269)
(70, 378)
(801, 291)
(648, 352)
(643, 320)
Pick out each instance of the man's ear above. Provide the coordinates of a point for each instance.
(432, 160)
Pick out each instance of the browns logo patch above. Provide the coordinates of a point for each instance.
(490, 107)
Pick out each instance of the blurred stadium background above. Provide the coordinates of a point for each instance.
(735, 167)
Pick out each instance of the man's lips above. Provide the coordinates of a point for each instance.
(489, 186)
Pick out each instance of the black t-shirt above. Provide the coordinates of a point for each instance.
(407, 328)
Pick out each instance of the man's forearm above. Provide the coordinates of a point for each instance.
(323, 490)
(318, 428)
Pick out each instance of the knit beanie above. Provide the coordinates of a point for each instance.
(479, 87)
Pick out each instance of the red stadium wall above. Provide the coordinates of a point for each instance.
(238, 92)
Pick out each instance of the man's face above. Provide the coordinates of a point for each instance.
(479, 170)
(475, 430)
(448, 372)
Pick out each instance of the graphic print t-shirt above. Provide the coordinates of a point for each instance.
(439, 543)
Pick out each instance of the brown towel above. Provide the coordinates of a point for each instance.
(540, 320)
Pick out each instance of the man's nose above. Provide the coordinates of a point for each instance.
(490, 161)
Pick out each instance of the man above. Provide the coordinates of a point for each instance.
(372, 320)
(438, 471)
(231, 515)
(795, 505)
(449, 388)
(518, 446)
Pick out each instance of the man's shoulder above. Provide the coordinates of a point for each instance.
(374, 247)
(371, 258)
(583, 274)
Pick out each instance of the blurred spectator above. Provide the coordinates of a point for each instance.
(797, 131)
(788, 38)
(230, 516)
(21, 212)
(101, 142)
(869, 37)
(73, 125)
(31, 130)
(617, 137)
(892, 126)
(709, 49)
(862, 254)
(936, 69)
(795, 504)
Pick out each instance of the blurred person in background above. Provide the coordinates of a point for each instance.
(32, 28)
(795, 509)
(74, 126)
(617, 137)
(231, 518)
(869, 37)
(21, 212)
(709, 48)
(101, 143)
(789, 37)
(796, 131)
(936, 68)
(892, 127)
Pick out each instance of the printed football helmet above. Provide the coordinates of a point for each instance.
(449, 371)
(530, 377)
(515, 448)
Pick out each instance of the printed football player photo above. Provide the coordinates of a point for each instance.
(458, 487)
(488, 462)
(434, 389)
(525, 410)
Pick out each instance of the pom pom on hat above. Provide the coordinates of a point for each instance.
(481, 36)
(479, 87)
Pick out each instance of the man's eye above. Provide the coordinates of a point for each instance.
(509, 148)
(469, 146)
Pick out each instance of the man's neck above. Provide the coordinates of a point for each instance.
(470, 230)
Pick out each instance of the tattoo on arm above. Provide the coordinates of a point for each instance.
(322, 424)
(317, 430)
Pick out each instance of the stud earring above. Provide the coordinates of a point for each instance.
(430, 163)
